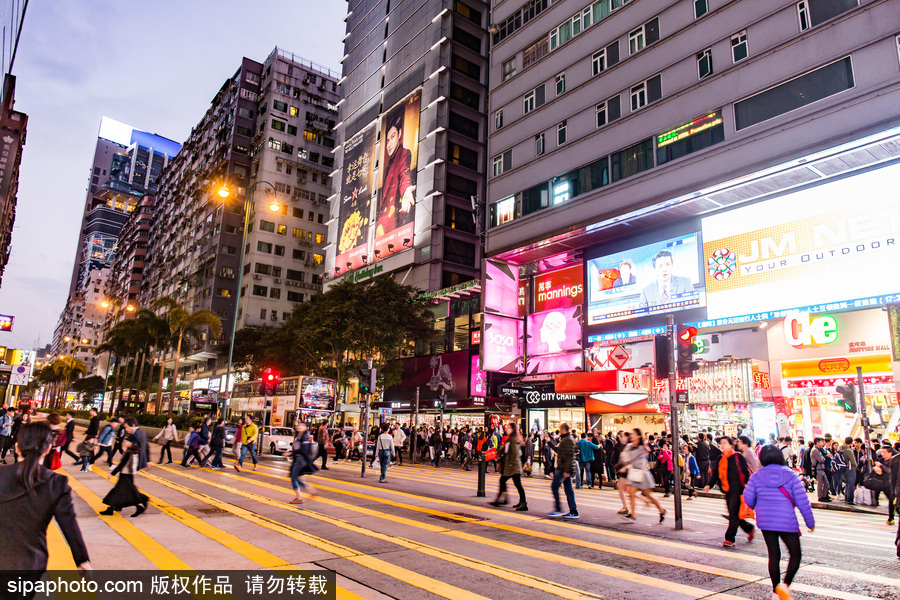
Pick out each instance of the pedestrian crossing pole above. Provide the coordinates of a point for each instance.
(673, 415)
(365, 431)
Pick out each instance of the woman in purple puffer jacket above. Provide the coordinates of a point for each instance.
(774, 492)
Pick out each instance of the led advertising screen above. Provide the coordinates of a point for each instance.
(554, 363)
(356, 198)
(317, 394)
(478, 380)
(501, 345)
(395, 220)
(501, 288)
(834, 245)
(554, 331)
(6, 322)
(656, 278)
(559, 289)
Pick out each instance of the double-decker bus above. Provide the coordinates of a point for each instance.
(300, 397)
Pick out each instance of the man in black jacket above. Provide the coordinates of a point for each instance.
(93, 429)
(565, 472)
(70, 436)
(702, 455)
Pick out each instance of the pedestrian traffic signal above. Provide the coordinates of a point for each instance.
(848, 397)
(686, 350)
(269, 382)
(365, 381)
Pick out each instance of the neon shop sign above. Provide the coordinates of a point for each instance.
(800, 329)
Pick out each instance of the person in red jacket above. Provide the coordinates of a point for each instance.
(731, 473)
(397, 190)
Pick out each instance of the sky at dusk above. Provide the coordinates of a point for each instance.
(153, 65)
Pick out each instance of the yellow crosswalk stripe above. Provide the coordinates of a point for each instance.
(632, 554)
(146, 545)
(412, 578)
(226, 539)
(60, 556)
(608, 571)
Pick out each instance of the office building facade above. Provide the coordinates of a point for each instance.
(650, 157)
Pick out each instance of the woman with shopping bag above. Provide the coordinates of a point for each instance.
(633, 460)
(731, 473)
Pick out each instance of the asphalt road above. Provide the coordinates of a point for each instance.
(424, 534)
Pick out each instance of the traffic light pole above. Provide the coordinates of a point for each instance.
(673, 415)
(365, 432)
(863, 415)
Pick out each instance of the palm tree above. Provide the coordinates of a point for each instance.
(184, 324)
(69, 368)
(158, 341)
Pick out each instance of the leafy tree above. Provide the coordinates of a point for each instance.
(89, 385)
(337, 331)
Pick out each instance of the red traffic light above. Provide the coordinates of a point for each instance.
(270, 377)
(687, 334)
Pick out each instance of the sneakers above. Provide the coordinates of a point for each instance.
(662, 516)
(728, 544)
(555, 514)
(751, 534)
(570, 515)
(522, 508)
(629, 517)
(782, 592)
(297, 501)
(382, 481)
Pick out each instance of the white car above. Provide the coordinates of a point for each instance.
(277, 439)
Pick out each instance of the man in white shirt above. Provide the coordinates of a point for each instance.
(384, 447)
(399, 438)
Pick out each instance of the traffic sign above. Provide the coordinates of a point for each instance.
(618, 356)
(18, 378)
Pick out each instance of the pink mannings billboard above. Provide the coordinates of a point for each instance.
(501, 288)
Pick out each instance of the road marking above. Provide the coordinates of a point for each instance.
(412, 578)
(222, 537)
(59, 553)
(820, 569)
(745, 577)
(158, 554)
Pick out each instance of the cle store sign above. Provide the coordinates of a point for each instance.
(801, 329)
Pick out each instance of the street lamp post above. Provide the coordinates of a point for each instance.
(129, 308)
(224, 192)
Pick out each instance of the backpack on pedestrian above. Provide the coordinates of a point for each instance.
(838, 463)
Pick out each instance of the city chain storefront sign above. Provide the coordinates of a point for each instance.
(538, 395)
(801, 329)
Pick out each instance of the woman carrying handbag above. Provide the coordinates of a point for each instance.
(638, 478)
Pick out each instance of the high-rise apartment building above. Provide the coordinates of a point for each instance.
(411, 157)
(718, 160)
(127, 164)
(80, 328)
(12, 138)
(268, 132)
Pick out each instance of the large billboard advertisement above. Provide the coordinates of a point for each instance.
(436, 375)
(559, 289)
(395, 219)
(501, 345)
(656, 278)
(554, 331)
(831, 246)
(356, 197)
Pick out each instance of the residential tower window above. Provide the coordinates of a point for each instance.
(509, 69)
(598, 62)
(701, 7)
(561, 135)
(560, 84)
(739, 49)
(704, 64)
(498, 119)
(539, 144)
